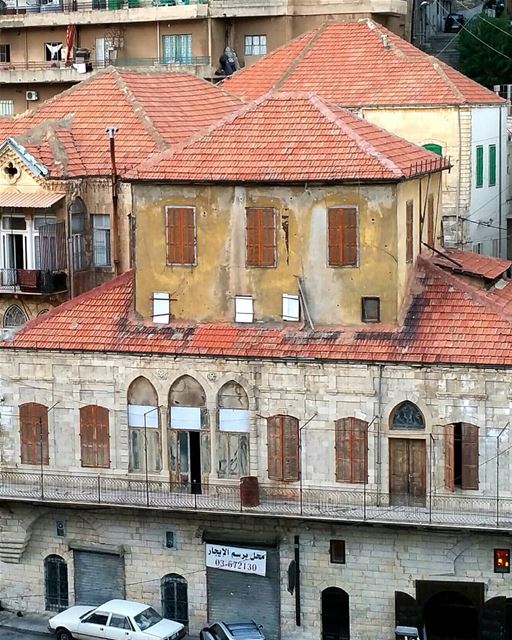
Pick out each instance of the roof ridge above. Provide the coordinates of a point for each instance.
(300, 57)
(442, 74)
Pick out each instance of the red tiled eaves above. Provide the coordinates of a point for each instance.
(446, 321)
(473, 264)
(355, 64)
(291, 137)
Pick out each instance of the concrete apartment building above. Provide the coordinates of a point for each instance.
(47, 45)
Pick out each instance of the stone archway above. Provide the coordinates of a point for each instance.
(335, 614)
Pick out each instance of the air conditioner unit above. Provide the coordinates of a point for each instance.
(31, 96)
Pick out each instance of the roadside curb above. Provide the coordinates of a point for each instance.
(20, 630)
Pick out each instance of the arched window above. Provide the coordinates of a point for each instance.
(188, 435)
(233, 423)
(56, 583)
(143, 422)
(14, 316)
(407, 417)
(33, 433)
(174, 593)
(94, 436)
(435, 148)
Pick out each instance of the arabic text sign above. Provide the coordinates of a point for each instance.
(236, 559)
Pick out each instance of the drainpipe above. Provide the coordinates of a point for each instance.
(296, 550)
(115, 215)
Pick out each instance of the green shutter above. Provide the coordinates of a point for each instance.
(492, 165)
(435, 148)
(479, 166)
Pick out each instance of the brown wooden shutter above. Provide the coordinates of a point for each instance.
(291, 465)
(409, 225)
(342, 236)
(94, 436)
(469, 456)
(275, 447)
(349, 237)
(342, 444)
(351, 445)
(449, 457)
(33, 433)
(260, 237)
(181, 235)
(430, 221)
(335, 234)
(359, 451)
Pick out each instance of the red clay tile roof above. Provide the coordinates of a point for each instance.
(358, 63)
(291, 138)
(446, 321)
(152, 110)
(473, 264)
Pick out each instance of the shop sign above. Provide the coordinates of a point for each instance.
(236, 559)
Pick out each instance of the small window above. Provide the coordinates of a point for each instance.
(101, 239)
(492, 165)
(477, 247)
(479, 166)
(435, 148)
(119, 622)
(260, 237)
(342, 236)
(169, 539)
(161, 307)
(409, 231)
(6, 107)
(14, 223)
(407, 416)
(291, 307)
(244, 309)
(255, 45)
(52, 51)
(181, 235)
(5, 52)
(501, 560)
(370, 306)
(97, 618)
(14, 317)
(337, 551)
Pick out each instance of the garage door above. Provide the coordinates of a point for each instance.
(242, 596)
(98, 577)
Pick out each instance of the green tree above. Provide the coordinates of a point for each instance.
(478, 60)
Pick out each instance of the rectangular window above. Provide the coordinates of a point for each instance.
(337, 551)
(351, 450)
(501, 560)
(5, 52)
(78, 248)
(431, 227)
(101, 239)
(260, 235)
(161, 307)
(291, 308)
(461, 456)
(479, 166)
(492, 165)
(6, 107)
(409, 231)
(342, 236)
(370, 309)
(255, 45)
(283, 448)
(496, 247)
(181, 235)
(52, 51)
(244, 309)
(177, 49)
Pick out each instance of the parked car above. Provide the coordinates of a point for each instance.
(233, 631)
(453, 23)
(115, 620)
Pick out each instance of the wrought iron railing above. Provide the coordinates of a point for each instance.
(23, 7)
(350, 505)
(32, 281)
(61, 66)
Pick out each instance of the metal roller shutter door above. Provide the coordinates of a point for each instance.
(242, 596)
(98, 577)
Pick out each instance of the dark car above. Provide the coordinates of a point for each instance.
(453, 23)
(232, 631)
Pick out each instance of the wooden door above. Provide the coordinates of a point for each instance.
(407, 477)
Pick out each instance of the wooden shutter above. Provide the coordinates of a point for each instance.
(449, 457)
(351, 446)
(430, 221)
(342, 236)
(349, 237)
(290, 439)
(275, 447)
(94, 436)
(409, 231)
(479, 166)
(260, 237)
(33, 433)
(181, 235)
(492, 165)
(469, 456)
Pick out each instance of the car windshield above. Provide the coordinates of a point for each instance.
(147, 618)
(85, 614)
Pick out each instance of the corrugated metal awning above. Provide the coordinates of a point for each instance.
(39, 199)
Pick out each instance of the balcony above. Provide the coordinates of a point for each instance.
(40, 13)
(32, 281)
(340, 505)
(250, 8)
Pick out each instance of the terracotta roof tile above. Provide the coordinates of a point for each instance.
(295, 137)
(358, 63)
(473, 264)
(446, 320)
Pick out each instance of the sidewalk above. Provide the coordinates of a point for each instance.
(35, 623)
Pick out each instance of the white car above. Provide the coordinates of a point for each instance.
(115, 620)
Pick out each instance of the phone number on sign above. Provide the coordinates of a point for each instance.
(236, 565)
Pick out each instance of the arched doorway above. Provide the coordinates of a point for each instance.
(56, 583)
(450, 615)
(174, 593)
(335, 614)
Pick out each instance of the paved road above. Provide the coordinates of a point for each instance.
(6, 634)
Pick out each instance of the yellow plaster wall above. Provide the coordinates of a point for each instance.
(205, 292)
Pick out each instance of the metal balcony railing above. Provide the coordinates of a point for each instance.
(32, 281)
(342, 505)
(22, 7)
(58, 65)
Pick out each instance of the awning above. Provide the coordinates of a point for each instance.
(39, 199)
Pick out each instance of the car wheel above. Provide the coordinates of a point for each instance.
(64, 634)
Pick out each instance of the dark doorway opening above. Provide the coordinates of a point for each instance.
(175, 598)
(56, 583)
(457, 454)
(451, 616)
(335, 614)
(195, 461)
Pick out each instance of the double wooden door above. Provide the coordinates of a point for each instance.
(407, 472)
